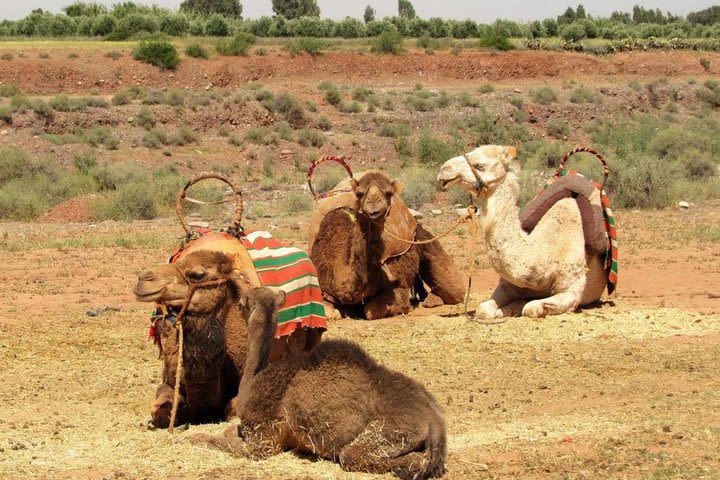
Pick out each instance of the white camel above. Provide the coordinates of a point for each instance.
(546, 272)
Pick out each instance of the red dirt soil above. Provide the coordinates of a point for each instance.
(93, 71)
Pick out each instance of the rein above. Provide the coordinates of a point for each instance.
(468, 217)
(192, 288)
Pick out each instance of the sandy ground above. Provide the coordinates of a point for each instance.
(626, 390)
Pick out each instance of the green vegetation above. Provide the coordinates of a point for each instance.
(310, 45)
(236, 46)
(389, 41)
(196, 50)
(419, 185)
(159, 53)
(544, 95)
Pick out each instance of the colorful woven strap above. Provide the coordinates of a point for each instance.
(315, 163)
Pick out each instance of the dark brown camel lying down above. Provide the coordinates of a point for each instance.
(215, 336)
(333, 401)
(358, 263)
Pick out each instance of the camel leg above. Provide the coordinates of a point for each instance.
(439, 271)
(503, 295)
(379, 449)
(388, 303)
(162, 407)
(559, 303)
(257, 445)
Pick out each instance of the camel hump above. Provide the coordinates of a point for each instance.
(587, 197)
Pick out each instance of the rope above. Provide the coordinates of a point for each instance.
(315, 163)
(468, 217)
(179, 325)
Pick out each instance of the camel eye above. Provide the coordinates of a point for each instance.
(389, 195)
(359, 195)
(196, 276)
(480, 167)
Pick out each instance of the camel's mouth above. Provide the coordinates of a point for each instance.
(376, 215)
(147, 295)
(445, 183)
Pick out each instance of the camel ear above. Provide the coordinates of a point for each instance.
(353, 183)
(397, 186)
(280, 298)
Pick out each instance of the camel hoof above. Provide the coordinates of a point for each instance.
(432, 301)
(331, 313)
(534, 311)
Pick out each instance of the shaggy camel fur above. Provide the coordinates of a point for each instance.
(215, 336)
(348, 253)
(546, 272)
(335, 402)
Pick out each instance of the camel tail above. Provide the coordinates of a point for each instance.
(428, 464)
(435, 449)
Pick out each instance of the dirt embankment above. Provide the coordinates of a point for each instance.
(93, 70)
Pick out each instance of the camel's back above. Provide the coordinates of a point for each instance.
(560, 231)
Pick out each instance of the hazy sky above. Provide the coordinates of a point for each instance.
(460, 9)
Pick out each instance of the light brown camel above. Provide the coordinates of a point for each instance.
(215, 338)
(545, 272)
(333, 401)
(348, 253)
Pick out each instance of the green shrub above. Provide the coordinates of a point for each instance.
(389, 41)
(195, 50)
(268, 167)
(217, 26)
(290, 107)
(420, 185)
(353, 107)
(465, 99)
(496, 41)
(698, 165)
(544, 95)
(586, 95)
(257, 135)
(296, 203)
(432, 150)
(361, 94)
(159, 53)
(325, 179)
(284, 131)
(310, 45)
(333, 96)
(643, 183)
(10, 90)
(324, 124)
(129, 202)
(558, 128)
(403, 148)
(6, 112)
(309, 137)
(236, 46)
(20, 203)
(485, 88)
(394, 130)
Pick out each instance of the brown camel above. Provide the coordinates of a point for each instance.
(333, 401)
(215, 338)
(348, 252)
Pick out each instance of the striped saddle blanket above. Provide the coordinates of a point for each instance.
(270, 263)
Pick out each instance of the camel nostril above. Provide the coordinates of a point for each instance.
(146, 276)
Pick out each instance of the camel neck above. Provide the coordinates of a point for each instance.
(504, 237)
(371, 251)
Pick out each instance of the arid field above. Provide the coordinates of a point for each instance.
(627, 389)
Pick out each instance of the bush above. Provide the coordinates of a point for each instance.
(174, 25)
(419, 184)
(310, 45)
(496, 41)
(333, 96)
(121, 98)
(558, 128)
(217, 26)
(389, 41)
(432, 150)
(195, 50)
(586, 95)
(308, 137)
(324, 124)
(296, 203)
(236, 46)
(485, 88)
(159, 53)
(129, 202)
(544, 95)
(394, 130)
(361, 94)
(290, 107)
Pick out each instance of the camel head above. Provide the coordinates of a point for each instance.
(490, 163)
(169, 284)
(374, 192)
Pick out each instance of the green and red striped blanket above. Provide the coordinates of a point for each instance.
(282, 267)
(273, 264)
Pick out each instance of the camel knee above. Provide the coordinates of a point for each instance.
(395, 302)
(487, 310)
(161, 407)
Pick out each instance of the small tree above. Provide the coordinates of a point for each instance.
(229, 8)
(406, 9)
(369, 14)
(296, 8)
